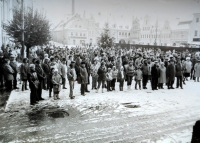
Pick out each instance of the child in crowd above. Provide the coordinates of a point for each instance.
(57, 82)
(138, 77)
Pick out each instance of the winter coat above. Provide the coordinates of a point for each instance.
(57, 81)
(162, 75)
(102, 74)
(71, 74)
(94, 70)
(24, 71)
(46, 68)
(154, 71)
(121, 76)
(188, 66)
(63, 70)
(109, 76)
(171, 72)
(130, 71)
(138, 75)
(145, 69)
(14, 66)
(8, 72)
(114, 74)
(83, 75)
(197, 70)
(179, 70)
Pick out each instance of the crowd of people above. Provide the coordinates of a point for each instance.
(48, 67)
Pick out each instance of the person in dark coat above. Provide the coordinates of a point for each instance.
(121, 78)
(170, 74)
(14, 66)
(87, 66)
(154, 75)
(8, 74)
(47, 70)
(24, 73)
(179, 74)
(33, 84)
(145, 71)
(102, 76)
(84, 77)
(41, 78)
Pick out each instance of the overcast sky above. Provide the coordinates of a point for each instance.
(120, 11)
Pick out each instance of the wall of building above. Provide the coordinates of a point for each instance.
(194, 32)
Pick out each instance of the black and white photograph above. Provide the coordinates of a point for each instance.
(99, 71)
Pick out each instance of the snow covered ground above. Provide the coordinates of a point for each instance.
(144, 102)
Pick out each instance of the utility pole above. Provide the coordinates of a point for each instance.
(156, 32)
(22, 8)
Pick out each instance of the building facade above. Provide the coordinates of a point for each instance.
(194, 30)
(80, 30)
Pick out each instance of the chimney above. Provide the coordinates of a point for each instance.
(73, 7)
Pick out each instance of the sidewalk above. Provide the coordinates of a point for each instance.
(149, 101)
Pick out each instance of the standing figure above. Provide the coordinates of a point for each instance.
(121, 78)
(197, 70)
(84, 77)
(138, 77)
(154, 76)
(179, 74)
(41, 78)
(47, 71)
(114, 77)
(57, 82)
(14, 66)
(162, 75)
(24, 73)
(33, 84)
(8, 75)
(94, 70)
(130, 70)
(63, 72)
(145, 71)
(71, 75)
(109, 79)
(170, 74)
(101, 76)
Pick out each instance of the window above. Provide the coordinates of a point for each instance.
(71, 33)
(83, 34)
(129, 34)
(76, 34)
(125, 34)
(79, 26)
(195, 33)
(197, 20)
(74, 42)
(75, 25)
(122, 33)
(80, 34)
(119, 33)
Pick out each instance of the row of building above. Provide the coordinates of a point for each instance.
(79, 30)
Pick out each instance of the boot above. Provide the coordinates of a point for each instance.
(97, 90)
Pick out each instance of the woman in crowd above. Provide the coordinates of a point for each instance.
(57, 82)
(162, 75)
(114, 77)
(33, 84)
(8, 75)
